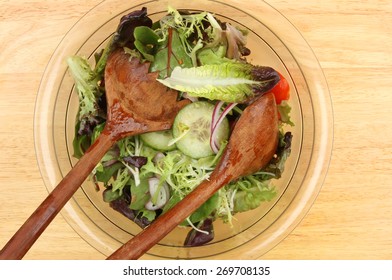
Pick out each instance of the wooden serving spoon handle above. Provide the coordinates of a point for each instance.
(29, 232)
(144, 241)
(251, 146)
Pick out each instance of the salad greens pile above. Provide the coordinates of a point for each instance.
(205, 60)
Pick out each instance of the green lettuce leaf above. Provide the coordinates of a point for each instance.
(170, 54)
(86, 83)
(146, 42)
(229, 81)
(251, 198)
(140, 195)
(284, 110)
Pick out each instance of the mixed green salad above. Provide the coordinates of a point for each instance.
(204, 59)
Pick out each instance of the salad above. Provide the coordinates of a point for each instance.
(205, 60)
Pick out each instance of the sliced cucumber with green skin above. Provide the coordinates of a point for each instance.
(192, 129)
(159, 140)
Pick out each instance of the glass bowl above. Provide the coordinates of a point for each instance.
(275, 42)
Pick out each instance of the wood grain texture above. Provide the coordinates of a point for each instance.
(352, 216)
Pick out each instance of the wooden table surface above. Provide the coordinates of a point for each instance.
(352, 216)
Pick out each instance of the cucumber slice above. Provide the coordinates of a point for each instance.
(192, 127)
(159, 140)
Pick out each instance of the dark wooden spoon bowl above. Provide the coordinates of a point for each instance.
(137, 103)
(251, 146)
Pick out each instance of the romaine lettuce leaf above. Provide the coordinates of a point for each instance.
(233, 82)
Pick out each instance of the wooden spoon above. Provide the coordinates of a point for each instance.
(137, 103)
(251, 146)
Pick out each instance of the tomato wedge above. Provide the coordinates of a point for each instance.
(281, 90)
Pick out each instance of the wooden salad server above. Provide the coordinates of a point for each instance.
(137, 103)
(252, 144)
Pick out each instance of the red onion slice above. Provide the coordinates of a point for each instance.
(215, 123)
(215, 114)
(163, 194)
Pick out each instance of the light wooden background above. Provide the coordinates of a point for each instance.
(352, 216)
